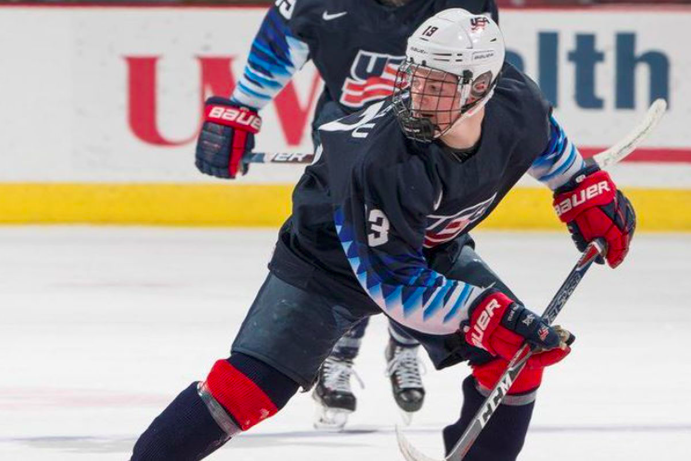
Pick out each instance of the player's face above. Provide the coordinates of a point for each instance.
(435, 96)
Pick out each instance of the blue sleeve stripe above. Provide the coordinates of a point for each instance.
(436, 303)
(274, 57)
(414, 303)
(564, 166)
(554, 149)
(267, 68)
(556, 162)
(394, 297)
(260, 80)
(269, 54)
(404, 302)
(459, 303)
(241, 86)
(559, 162)
(276, 22)
(275, 41)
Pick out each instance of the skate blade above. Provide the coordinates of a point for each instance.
(330, 419)
(407, 417)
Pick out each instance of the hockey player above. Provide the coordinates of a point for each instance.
(380, 224)
(357, 46)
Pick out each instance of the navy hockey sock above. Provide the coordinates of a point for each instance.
(184, 431)
(503, 437)
(238, 393)
(400, 337)
(348, 347)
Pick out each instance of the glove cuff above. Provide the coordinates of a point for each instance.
(220, 101)
(576, 179)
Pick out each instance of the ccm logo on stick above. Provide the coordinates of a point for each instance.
(480, 326)
(232, 116)
(581, 197)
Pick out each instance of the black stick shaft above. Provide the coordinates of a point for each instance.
(291, 158)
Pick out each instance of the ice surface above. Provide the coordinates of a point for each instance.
(101, 327)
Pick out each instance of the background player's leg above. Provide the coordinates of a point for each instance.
(403, 367)
(348, 347)
(333, 392)
(238, 393)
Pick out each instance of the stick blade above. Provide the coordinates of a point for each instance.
(409, 452)
(623, 148)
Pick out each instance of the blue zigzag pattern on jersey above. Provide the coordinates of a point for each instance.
(560, 160)
(274, 57)
(402, 281)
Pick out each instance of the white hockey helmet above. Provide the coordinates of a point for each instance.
(453, 47)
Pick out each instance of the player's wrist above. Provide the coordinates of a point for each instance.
(577, 178)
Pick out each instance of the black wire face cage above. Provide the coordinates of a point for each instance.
(427, 102)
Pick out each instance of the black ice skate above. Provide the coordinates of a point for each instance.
(406, 382)
(334, 397)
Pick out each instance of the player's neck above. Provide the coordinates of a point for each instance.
(465, 134)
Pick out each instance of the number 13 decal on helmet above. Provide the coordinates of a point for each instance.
(430, 31)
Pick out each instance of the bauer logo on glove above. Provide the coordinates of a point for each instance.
(576, 199)
(592, 208)
(234, 117)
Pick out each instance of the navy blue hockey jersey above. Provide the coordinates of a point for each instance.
(356, 45)
(375, 205)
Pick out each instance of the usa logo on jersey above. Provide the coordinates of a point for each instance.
(372, 77)
(442, 229)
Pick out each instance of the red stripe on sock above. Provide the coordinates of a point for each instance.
(239, 395)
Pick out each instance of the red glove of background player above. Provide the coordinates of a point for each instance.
(226, 137)
(592, 207)
(500, 326)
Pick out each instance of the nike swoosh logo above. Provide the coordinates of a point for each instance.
(328, 17)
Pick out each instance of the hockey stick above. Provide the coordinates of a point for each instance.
(632, 140)
(514, 368)
(614, 154)
(279, 157)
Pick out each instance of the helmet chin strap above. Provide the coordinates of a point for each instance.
(479, 104)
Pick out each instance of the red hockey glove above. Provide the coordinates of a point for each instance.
(226, 137)
(592, 207)
(500, 326)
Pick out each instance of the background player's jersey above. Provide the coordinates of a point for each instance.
(356, 45)
(370, 213)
